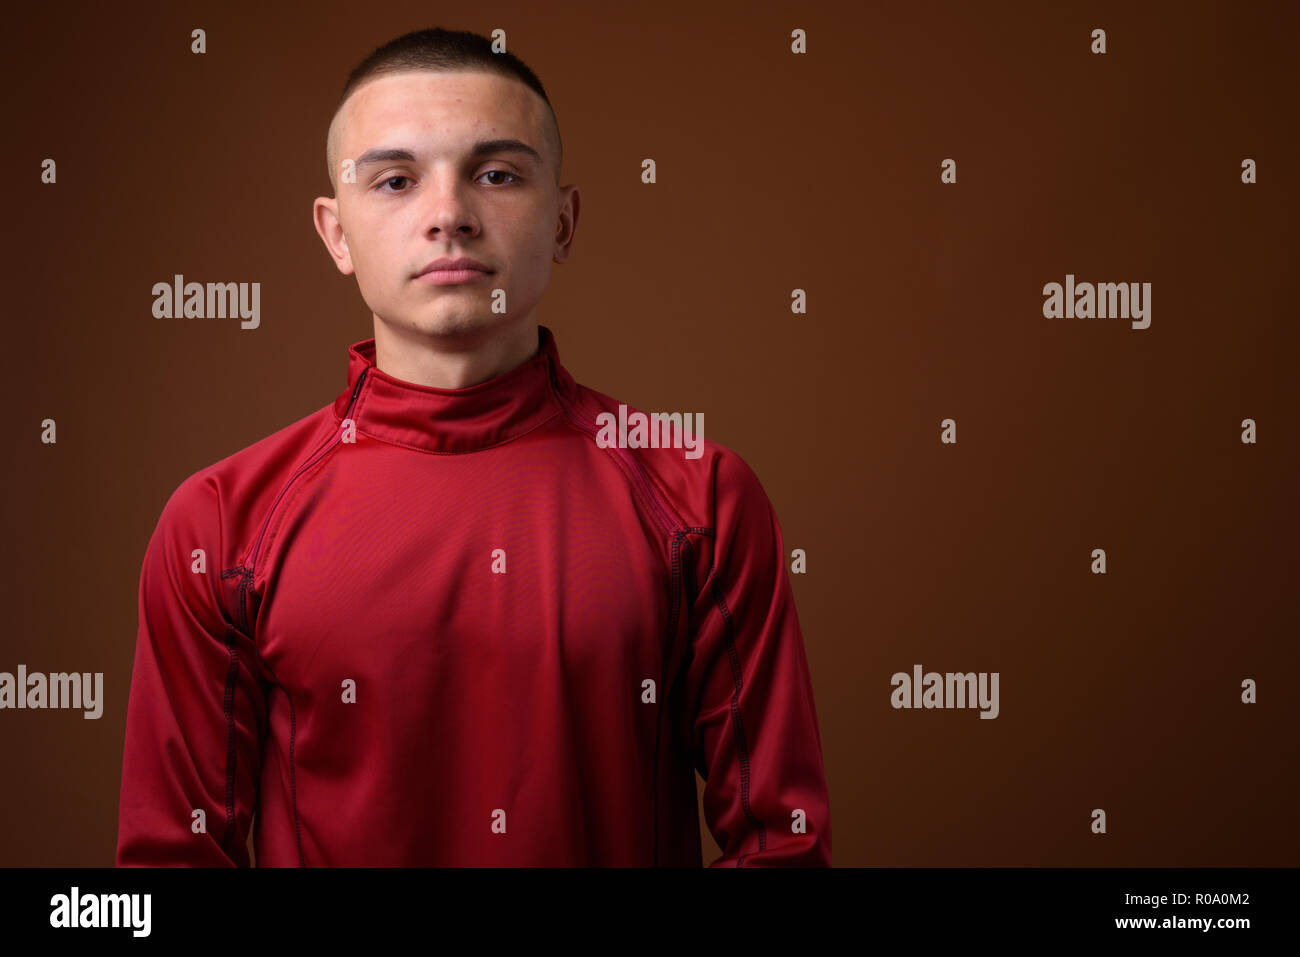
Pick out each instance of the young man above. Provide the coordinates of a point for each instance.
(437, 622)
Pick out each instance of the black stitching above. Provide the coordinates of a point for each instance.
(228, 706)
(246, 589)
(678, 537)
(679, 541)
(738, 726)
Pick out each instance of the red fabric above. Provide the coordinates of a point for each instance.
(499, 719)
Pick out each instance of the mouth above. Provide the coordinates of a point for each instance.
(447, 277)
(446, 262)
(446, 271)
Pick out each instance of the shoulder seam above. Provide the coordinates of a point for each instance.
(669, 519)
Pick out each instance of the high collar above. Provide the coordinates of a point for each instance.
(449, 421)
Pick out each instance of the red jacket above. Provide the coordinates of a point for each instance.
(445, 627)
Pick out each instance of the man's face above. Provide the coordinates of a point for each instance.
(501, 207)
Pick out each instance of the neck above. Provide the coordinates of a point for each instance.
(453, 360)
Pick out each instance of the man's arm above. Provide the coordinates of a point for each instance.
(755, 735)
(193, 740)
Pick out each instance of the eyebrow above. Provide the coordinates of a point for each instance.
(388, 154)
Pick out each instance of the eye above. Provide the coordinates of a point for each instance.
(501, 172)
(389, 180)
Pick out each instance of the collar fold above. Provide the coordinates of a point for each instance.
(451, 421)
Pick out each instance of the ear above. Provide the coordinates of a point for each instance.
(325, 214)
(567, 226)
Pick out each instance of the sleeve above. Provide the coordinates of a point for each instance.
(195, 709)
(754, 727)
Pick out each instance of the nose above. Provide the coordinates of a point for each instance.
(449, 207)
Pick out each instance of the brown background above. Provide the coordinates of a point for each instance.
(776, 172)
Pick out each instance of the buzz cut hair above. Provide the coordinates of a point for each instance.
(442, 50)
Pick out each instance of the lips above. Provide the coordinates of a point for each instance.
(452, 265)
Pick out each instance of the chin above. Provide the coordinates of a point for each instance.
(455, 324)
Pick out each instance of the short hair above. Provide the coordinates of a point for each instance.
(448, 51)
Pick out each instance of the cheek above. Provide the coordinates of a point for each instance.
(373, 254)
(535, 251)
(529, 228)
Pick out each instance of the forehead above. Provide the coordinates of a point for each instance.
(423, 104)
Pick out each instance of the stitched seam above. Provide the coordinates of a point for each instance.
(679, 540)
(691, 580)
(293, 779)
(623, 467)
(663, 689)
(245, 588)
(287, 507)
(293, 730)
(324, 457)
(658, 488)
(577, 420)
(319, 454)
(228, 707)
(737, 724)
(324, 454)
